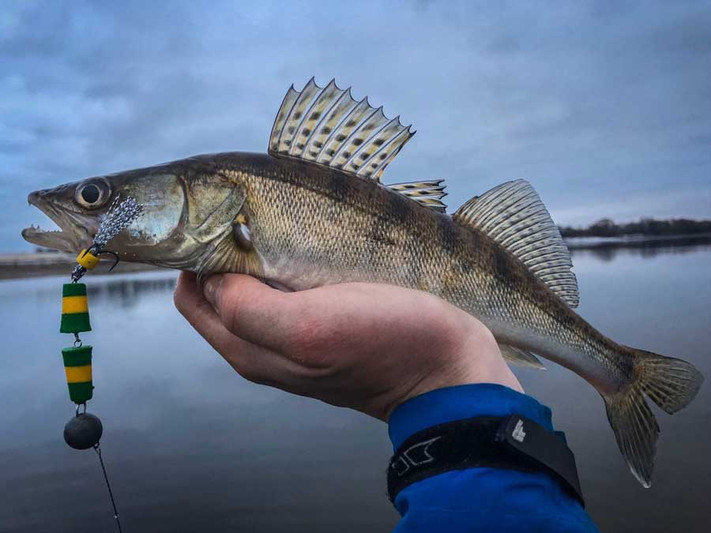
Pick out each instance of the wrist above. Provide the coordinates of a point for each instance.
(473, 359)
(480, 361)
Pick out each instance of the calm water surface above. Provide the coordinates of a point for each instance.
(191, 446)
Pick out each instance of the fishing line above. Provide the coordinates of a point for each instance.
(97, 449)
(84, 430)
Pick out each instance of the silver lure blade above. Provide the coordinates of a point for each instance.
(118, 217)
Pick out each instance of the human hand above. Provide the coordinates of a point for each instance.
(364, 346)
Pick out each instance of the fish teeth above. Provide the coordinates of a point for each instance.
(36, 228)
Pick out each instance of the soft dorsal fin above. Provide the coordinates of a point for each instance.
(513, 215)
(427, 193)
(328, 127)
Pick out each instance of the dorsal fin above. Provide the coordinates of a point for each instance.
(427, 193)
(327, 126)
(513, 215)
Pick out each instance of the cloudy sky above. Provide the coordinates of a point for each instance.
(604, 106)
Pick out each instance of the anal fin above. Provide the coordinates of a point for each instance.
(520, 357)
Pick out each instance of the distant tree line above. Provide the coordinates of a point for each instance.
(646, 226)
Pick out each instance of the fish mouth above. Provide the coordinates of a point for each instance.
(75, 231)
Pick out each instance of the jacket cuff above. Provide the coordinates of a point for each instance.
(460, 402)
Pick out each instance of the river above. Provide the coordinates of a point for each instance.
(190, 446)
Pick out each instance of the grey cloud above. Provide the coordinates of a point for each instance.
(593, 102)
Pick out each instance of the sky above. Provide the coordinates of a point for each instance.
(604, 106)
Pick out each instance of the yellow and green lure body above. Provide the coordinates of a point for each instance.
(75, 319)
(77, 358)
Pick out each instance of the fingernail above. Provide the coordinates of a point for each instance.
(212, 288)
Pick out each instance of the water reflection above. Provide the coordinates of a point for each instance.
(192, 447)
(127, 292)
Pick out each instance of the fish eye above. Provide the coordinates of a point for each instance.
(92, 195)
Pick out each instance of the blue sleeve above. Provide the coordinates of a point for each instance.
(480, 499)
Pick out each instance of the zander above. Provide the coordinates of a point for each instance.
(313, 212)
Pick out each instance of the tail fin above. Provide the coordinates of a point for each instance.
(668, 382)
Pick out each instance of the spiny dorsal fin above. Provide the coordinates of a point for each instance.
(328, 127)
(513, 215)
(427, 193)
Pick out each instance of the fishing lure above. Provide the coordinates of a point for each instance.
(84, 430)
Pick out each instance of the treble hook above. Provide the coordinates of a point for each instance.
(114, 255)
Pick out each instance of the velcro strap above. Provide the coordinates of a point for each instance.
(512, 442)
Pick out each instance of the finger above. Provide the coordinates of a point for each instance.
(258, 313)
(255, 363)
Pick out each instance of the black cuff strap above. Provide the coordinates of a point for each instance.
(511, 442)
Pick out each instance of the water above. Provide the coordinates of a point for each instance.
(190, 446)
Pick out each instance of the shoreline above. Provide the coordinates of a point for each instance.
(636, 241)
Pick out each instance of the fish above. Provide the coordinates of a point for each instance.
(313, 211)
